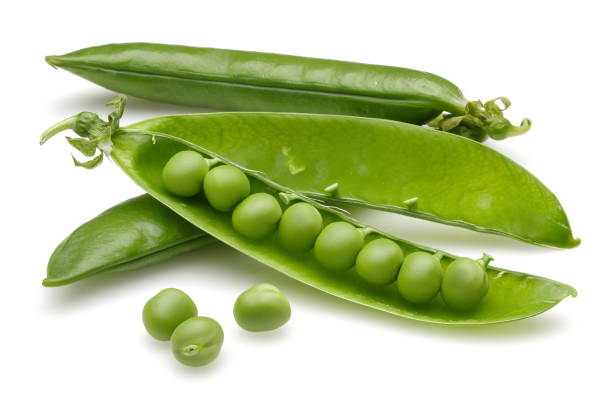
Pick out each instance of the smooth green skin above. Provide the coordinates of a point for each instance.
(197, 341)
(512, 295)
(262, 307)
(165, 311)
(225, 186)
(464, 284)
(456, 181)
(135, 233)
(254, 81)
(299, 227)
(257, 216)
(337, 246)
(379, 261)
(184, 173)
(419, 277)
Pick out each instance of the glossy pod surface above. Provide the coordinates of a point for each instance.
(138, 232)
(255, 81)
(241, 80)
(443, 177)
(511, 295)
(142, 155)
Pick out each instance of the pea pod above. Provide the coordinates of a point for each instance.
(254, 81)
(138, 232)
(142, 154)
(384, 165)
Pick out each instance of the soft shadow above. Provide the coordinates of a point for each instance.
(229, 266)
(95, 100)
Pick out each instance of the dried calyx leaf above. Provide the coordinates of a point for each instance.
(481, 121)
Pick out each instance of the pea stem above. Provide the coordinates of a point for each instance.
(484, 261)
(65, 124)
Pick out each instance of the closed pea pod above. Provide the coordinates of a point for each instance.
(256, 81)
(257, 215)
(420, 277)
(262, 307)
(225, 186)
(379, 261)
(511, 296)
(299, 227)
(138, 232)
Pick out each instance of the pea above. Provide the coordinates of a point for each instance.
(379, 261)
(262, 307)
(299, 226)
(225, 186)
(165, 311)
(464, 284)
(337, 246)
(197, 341)
(257, 215)
(183, 173)
(419, 277)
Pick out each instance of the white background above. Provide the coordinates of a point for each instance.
(84, 344)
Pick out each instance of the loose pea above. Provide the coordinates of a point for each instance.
(225, 186)
(419, 277)
(183, 173)
(165, 311)
(465, 283)
(379, 261)
(197, 341)
(337, 246)
(257, 215)
(262, 307)
(299, 226)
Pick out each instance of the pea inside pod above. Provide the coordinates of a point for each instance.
(299, 227)
(184, 173)
(379, 261)
(225, 186)
(257, 215)
(337, 246)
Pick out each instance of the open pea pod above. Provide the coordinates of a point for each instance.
(386, 165)
(133, 234)
(142, 155)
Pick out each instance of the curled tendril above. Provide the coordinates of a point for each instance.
(481, 121)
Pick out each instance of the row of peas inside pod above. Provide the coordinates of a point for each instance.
(337, 246)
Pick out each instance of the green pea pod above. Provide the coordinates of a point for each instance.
(385, 165)
(142, 155)
(138, 232)
(253, 81)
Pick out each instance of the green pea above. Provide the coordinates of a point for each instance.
(299, 227)
(257, 215)
(465, 283)
(183, 173)
(197, 341)
(262, 307)
(337, 246)
(379, 261)
(225, 186)
(419, 277)
(165, 311)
